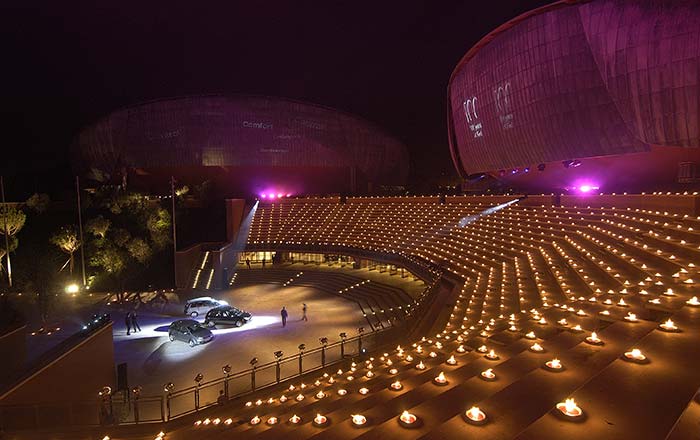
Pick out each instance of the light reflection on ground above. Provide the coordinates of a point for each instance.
(153, 360)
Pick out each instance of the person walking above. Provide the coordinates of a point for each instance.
(284, 314)
(303, 315)
(127, 321)
(263, 262)
(247, 262)
(134, 323)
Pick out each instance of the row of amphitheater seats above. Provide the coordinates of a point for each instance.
(538, 282)
(505, 378)
(382, 305)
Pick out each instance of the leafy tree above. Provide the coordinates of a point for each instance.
(110, 259)
(158, 225)
(39, 203)
(139, 250)
(98, 226)
(120, 237)
(11, 222)
(66, 239)
(15, 220)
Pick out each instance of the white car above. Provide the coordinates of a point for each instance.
(200, 306)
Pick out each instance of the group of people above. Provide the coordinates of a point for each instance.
(132, 323)
(247, 262)
(285, 314)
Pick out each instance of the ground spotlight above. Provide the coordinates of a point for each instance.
(278, 354)
(72, 288)
(254, 362)
(226, 369)
(541, 167)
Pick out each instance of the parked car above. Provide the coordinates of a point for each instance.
(200, 306)
(190, 331)
(226, 315)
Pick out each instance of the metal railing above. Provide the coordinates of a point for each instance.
(128, 408)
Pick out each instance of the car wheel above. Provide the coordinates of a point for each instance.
(239, 323)
(194, 314)
(192, 343)
(171, 337)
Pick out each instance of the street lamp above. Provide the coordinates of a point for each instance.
(168, 389)
(253, 363)
(301, 348)
(136, 391)
(198, 381)
(360, 332)
(343, 336)
(278, 356)
(226, 369)
(106, 408)
(324, 343)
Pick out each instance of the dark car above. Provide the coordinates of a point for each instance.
(226, 315)
(190, 331)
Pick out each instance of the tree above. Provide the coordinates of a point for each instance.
(120, 237)
(98, 226)
(67, 241)
(109, 259)
(11, 222)
(39, 203)
(158, 225)
(139, 250)
(12, 241)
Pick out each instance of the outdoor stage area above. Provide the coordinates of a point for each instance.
(153, 360)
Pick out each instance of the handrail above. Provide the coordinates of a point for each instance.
(271, 364)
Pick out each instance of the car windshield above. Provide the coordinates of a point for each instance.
(193, 327)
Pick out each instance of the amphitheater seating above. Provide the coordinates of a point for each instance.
(533, 276)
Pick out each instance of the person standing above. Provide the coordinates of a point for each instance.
(247, 262)
(127, 321)
(303, 315)
(284, 314)
(263, 262)
(134, 323)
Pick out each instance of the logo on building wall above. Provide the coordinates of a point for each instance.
(260, 125)
(502, 97)
(472, 117)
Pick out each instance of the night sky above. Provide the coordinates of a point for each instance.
(65, 64)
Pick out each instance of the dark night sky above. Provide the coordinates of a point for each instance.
(65, 64)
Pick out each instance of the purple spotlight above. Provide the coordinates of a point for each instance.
(280, 195)
(585, 188)
(271, 195)
(264, 196)
(289, 195)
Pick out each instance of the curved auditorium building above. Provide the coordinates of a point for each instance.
(244, 144)
(582, 94)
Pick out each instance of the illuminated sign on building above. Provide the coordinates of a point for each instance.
(503, 105)
(470, 112)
